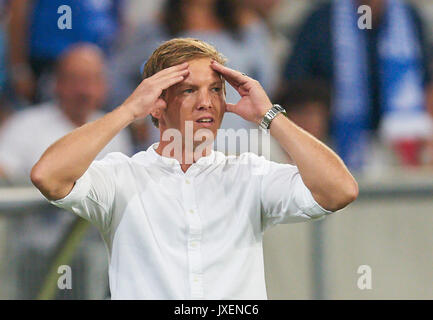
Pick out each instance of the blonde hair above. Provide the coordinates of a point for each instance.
(177, 51)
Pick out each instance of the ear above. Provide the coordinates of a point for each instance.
(156, 113)
(160, 105)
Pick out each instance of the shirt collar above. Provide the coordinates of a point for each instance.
(171, 162)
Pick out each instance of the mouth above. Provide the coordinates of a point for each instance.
(205, 121)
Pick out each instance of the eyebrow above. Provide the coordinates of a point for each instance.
(187, 83)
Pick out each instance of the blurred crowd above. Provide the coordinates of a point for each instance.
(360, 85)
(364, 90)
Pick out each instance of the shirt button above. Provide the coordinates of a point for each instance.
(191, 211)
(193, 244)
(187, 181)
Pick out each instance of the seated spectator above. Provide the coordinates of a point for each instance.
(379, 75)
(36, 41)
(262, 7)
(267, 10)
(80, 91)
(307, 103)
(235, 30)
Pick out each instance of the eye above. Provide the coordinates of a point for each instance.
(216, 89)
(187, 91)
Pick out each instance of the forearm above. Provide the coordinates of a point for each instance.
(322, 171)
(67, 159)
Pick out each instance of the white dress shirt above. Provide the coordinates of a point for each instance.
(23, 139)
(192, 235)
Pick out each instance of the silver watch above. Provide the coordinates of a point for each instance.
(270, 115)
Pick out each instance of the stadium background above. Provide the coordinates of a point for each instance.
(388, 228)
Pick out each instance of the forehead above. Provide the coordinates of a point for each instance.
(200, 71)
(81, 63)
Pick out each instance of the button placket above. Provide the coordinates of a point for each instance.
(194, 240)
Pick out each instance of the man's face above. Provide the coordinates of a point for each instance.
(199, 99)
(81, 84)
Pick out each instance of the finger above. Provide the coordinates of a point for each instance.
(183, 73)
(169, 70)
(158, 82)
(167, 83)
(230, 107)
(161, 84)
(232, 76)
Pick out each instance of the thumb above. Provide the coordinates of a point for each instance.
(230, 107)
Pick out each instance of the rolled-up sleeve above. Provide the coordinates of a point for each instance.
(284, 196)
(93, 194)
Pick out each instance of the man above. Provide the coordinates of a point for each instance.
(40, 30)
(182, 221)
(231, 26)
(81, 90)
(379, 74)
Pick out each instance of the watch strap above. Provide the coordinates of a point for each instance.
(270, 115)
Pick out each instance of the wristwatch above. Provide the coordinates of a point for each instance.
(270, 115)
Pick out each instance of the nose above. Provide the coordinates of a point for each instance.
(204, 100)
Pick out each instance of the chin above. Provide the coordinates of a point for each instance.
(204, 134)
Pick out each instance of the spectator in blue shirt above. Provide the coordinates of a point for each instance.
(378, 80)
(36, 39)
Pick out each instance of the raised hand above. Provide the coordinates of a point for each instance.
(254, 101)
(146, 98)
